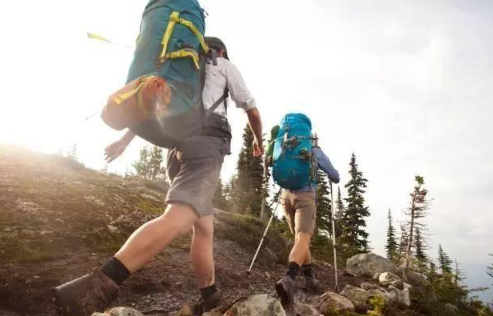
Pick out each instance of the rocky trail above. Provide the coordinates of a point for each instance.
(59, 220)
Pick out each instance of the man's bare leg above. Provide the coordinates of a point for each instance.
(201, 251)
(308, 258)
(152, 237)
(301, 249)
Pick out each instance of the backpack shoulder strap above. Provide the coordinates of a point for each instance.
(223, 98)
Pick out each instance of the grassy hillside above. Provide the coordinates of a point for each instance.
(59, 220)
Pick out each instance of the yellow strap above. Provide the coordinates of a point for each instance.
(184, 53)
(189, 24)
(167, 34)
(173, 19)
(98, 37)
(125, 96)
(140, 102)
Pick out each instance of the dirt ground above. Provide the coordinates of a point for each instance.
(59, 221)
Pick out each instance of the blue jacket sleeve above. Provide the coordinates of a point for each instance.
(324, 163)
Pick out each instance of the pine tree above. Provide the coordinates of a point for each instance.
(266, 210)
(459, 275)
(339, 214)
(150, 164)
(420, 247)
(156, 164)
(354, 216)
(219, 198)
(489, 270)
(432, 273)
(416, 211)
(391, 245)
(404, 239)
(141, 166)
(73, 152)
(324, 208)
(444, 261)
(248, 185)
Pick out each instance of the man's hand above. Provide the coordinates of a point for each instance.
(114, 150)
(256, 126)
(258, 148)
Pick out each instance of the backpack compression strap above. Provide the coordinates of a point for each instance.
(182, 53)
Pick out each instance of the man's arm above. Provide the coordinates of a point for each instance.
(114, 150)
(238, 89)
(244, 100)
(255, 123)
(325, 164)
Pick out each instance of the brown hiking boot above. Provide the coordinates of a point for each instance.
(311, 284)
(286, 289)
(207, 305)
(88, 294)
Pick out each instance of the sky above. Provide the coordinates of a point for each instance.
(405, 85)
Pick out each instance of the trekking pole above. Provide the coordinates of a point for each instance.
(334, 242)
(265, 232)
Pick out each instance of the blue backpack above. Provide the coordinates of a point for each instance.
(292, 156)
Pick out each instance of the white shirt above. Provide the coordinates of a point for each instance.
(221, 76)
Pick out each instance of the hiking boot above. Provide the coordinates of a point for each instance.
(207, 305)
(311, 284)
(286, 289)
(88, 294)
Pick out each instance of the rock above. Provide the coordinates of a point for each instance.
(368, 286)
(331, 304)
(400, 296)
(407, 286)
(388, 278)
(306, 310)
(398, 284)
(358, 296)
(451, 309)
(369, 265)
(120, 311)
(389, 299)
(259, 305)
(414, 278)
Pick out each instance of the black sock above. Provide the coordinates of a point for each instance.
(307, 270)
(293, 269)
(207, 292)
(116, 271)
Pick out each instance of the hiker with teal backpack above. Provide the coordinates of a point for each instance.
(197, 137)
(295, 157)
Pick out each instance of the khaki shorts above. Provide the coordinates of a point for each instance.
(193, 169)
(300, 210)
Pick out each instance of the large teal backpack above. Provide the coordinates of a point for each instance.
(292, 157)
(171, 45)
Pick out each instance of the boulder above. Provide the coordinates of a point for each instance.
(388, 298)
(411, 277)
(331, 304)
(451, 309)
(306, 310)
(400, 296)
(120, 311)
(260, 305)
(369, 265)
(369, 286)
(358, 296)
(388, 278)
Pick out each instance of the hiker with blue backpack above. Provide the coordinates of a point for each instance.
(175, 97)
(295, 158)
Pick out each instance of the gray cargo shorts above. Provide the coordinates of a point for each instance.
(193, 169)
